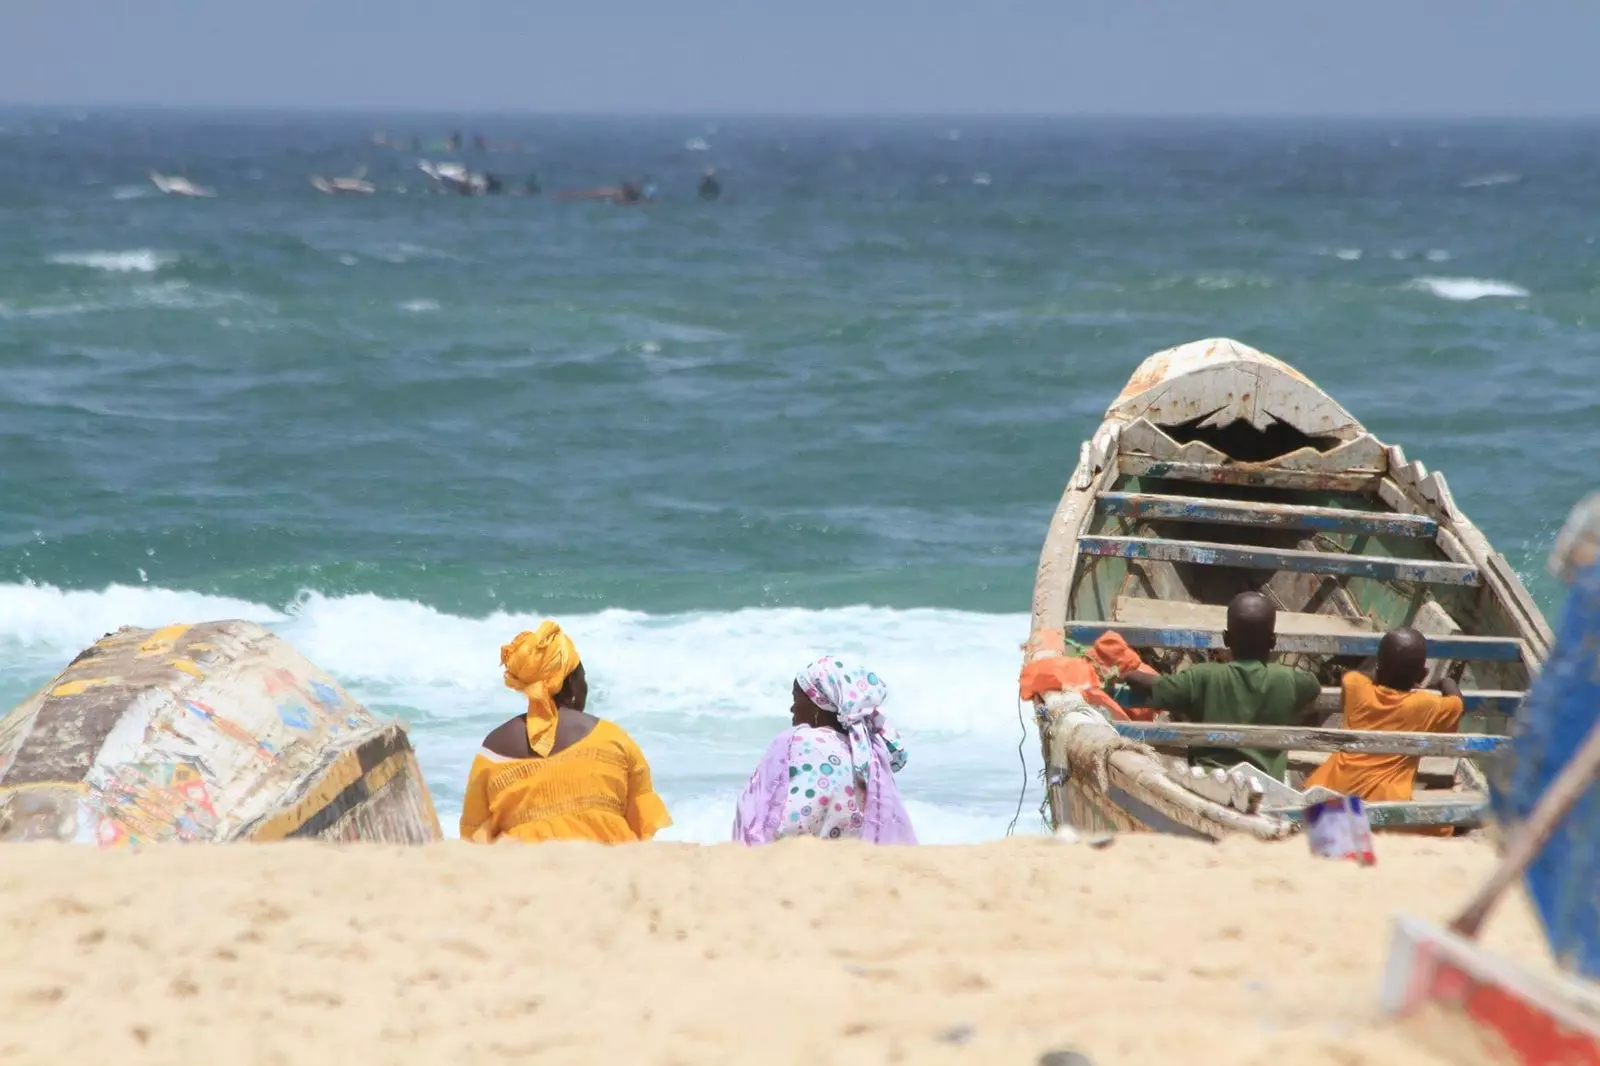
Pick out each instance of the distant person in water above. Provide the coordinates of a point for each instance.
(831, 774)
(1248, 690)
(531, 186)
(492, 185)
(453, 143)
(1390, 701)
(710, 187)
(479, 143)
(628, 192)
(555, 772)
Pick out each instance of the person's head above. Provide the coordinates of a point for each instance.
(804, 711)
(1402, 659)
(544, 664)
(573, 695)
(1252, 626)
(839, 693)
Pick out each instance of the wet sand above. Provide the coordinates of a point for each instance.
(1154, 950)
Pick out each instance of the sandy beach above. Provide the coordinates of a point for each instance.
(807, 952)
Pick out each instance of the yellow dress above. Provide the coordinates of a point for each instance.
(598, 789)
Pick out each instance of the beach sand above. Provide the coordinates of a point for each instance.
(1154, 950)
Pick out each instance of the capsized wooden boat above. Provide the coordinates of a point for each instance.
(213, 732)
(1220, 469)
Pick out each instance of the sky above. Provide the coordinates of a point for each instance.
(1446, 58)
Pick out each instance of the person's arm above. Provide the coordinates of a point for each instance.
(1306, 690)
(1177, 693)
(645, 812)
(760, 807)
(475, 806)
(1447, 715)
(1141, 681)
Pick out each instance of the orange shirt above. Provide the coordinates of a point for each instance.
(598, 789)
(1368, 705)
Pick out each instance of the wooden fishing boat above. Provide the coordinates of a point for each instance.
(1220, 469)
(212, 732)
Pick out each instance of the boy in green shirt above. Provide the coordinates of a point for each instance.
(1246, 691)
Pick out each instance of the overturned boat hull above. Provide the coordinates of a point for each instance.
(1220, 469)
(213, 732)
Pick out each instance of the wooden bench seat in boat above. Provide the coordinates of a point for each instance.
(1147, 623)
(1330, 564)
(1312, 738)
(1159, 507)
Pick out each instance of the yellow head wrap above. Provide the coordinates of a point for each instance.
(538, 664)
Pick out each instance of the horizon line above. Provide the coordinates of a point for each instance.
(676, 113)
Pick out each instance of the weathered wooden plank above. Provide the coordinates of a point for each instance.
(1260, 476)
(1272, 515)
(1478, 701)
(1465, 809)
(1347, 645)
(1205, 553)
(1182, 614)
(1308, 738)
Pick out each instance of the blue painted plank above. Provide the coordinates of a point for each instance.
(1305, 562)
(1270, 515)
(1352, 645)
(1468, 812)
(1306, 738)
(1561, 710)
(1478, 701)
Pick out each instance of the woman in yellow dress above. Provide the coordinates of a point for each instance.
(556, 773)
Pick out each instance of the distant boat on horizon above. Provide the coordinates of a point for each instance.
(178, 185)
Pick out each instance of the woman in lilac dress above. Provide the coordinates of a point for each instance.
(832, 774)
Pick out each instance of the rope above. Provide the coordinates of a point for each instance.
(1023, 759)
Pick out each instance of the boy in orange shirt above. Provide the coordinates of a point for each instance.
(1392, 703)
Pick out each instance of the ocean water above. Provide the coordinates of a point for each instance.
(831, 412)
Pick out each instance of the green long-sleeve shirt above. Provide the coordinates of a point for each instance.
(1250, 692)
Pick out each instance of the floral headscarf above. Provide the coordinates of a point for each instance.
(854, 694)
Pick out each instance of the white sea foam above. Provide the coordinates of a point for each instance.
(1462, 289)
(1437, 255)
(1483, 181)
(703, 692)
(697, 144)
(420, 306)
(132, 261)
(132, 192)
(1349, 255)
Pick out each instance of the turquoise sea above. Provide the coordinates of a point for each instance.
(832, 411)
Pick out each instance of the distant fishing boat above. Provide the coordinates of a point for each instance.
(177, 185)
(354, 183)
(455, 177)
(1220, 469)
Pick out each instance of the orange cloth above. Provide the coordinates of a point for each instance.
(537, 664)
(599, 789)
(1110, 655)
(1376, 778)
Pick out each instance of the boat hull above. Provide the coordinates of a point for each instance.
(213, 732)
